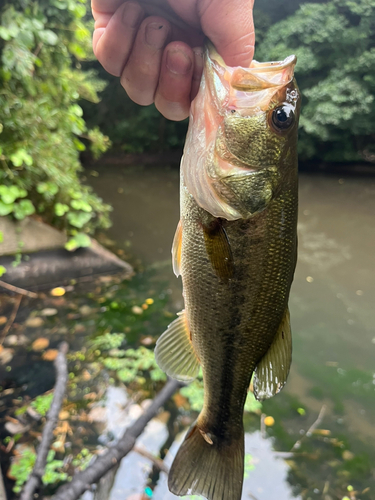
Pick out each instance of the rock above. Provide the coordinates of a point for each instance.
(34, 322)
(137, 310)
(86, 310)
(98, 414)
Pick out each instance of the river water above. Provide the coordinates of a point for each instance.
(333, 322)
(325, 413)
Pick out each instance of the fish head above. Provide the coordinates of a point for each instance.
(242, 139)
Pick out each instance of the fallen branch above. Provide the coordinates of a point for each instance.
(11, 319)
(156, 461)
(35, 478)
(18, 290)
(83, 480)
(317, 422)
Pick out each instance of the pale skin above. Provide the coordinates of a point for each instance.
(155, 46)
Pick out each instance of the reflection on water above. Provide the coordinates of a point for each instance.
(334, 345)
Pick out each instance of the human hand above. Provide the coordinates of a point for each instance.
(155, 46)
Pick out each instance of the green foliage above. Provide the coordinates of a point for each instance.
(42, 403)
(131, 365)
(42, 130)
(130, 127)
(334, 43)
(22, 467)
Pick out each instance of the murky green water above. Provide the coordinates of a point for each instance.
(333, 318)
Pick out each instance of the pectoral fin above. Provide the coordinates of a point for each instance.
(174, 351)
(272, 371)
(176, 250)
(218, 250)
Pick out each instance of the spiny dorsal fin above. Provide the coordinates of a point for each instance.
(272, 371)
(219, 250)
(174, 352)
(176, 250)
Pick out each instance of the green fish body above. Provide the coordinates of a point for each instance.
(235, 248)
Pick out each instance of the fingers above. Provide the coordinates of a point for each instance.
(172, 96)
(141, 74)
(113, 42)
(229, 25)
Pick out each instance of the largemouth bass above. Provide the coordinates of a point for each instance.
(235, 248)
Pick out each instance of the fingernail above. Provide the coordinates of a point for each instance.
(155, 35)
(178, 62)
(131, 14)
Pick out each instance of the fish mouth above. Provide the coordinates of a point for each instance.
(258, 76)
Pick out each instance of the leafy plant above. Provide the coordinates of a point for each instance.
(22, 467)
(131, 365)
(334, 43)
(42, 129)
(42, 403)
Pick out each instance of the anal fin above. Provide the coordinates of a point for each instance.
(273, 369)
(174, 351)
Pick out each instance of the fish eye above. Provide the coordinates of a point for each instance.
(283, 117)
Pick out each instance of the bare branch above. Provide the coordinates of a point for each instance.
(156, 461)
(35, 478)
(83, 480)
(18, 290)
(317, 422)
(11, 319)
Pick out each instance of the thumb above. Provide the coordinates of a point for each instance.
(230, 27)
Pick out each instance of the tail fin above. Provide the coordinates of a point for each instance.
(202, 467)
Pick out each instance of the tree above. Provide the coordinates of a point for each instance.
(335, 46)
(42, 46)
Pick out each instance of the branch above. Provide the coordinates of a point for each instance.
(16, 289)
(52, 417)
(11, 319)
(82, 481)
(156, 461)
(317, 422)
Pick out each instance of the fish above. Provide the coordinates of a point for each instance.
(235, 248)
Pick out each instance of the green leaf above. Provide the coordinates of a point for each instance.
(81, 205)
(48, 37)
(1, 236)
(78, 219)
(6, 209)
(78, 241)
(61, 209)
(2, 270)
(22, 209)
(20, 157)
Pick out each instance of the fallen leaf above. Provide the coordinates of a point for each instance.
(269, 421)
(34, 322)
(58, 291)
(6, 356)
(3, 320)
(48, 311)
(147, 341)
(63, 415)
(85, 310)
(40, 344)
(86, 375)
(90, 395)
(50, 355)
(79, 328)
(137, 310)
(15, 428)
(347, 455)
(15, 340)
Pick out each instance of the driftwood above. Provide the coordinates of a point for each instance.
(35, 478)
(82, 481)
